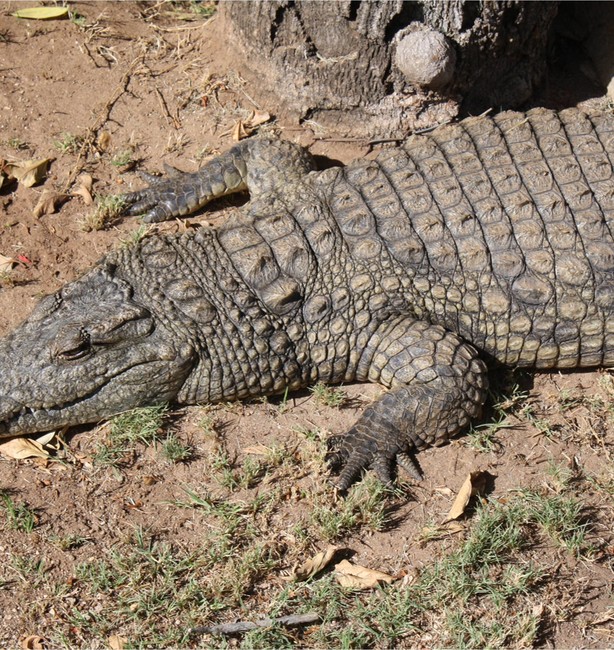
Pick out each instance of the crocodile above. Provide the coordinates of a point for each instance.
(485, 242)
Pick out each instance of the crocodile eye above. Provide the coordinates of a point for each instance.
(76, 353)
(75, 347)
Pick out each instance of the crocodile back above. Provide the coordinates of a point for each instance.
(499, 228)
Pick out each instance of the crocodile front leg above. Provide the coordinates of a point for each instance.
(259, 166)
(180, 194)
(438, 384)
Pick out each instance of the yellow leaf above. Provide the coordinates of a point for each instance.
(42, 13)
(474, 484)
(314, 565)
(20, 448)
(355, 576)
(28, 172)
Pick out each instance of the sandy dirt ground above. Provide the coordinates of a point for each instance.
(137, 78)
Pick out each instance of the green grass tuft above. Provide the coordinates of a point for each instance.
(141, 426)
(69, 143)
(19, 515)
(107, 209)
(330, 396)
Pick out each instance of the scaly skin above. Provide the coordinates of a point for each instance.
(486, 240)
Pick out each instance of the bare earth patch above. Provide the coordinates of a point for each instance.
(131, 534)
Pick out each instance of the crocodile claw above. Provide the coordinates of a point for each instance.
(353, 456)
(160, 201)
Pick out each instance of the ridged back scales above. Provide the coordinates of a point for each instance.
(503, 229)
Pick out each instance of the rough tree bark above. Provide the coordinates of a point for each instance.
(382, 69)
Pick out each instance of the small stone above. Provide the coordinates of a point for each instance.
(426, 58)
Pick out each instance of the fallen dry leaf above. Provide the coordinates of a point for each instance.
(104, 140)
(21, 448)
(84, 189)
(116, 642)
(257, 450)
(244, 128)
(314, 565)
(257, 118)
(42, 13)
(445, 491)
(28, 172)
(410, 577)
(6, 264)
(474, 484)
(430, 533)
(239, 132)
(355, 576)
(86, 180)
(46, 438)
(33, 642)
(48, 203)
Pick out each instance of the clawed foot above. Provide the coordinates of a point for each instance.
(354, 454)
(163, 198)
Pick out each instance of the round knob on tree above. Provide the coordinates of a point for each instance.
(426, 58)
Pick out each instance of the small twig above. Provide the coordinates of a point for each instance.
(197, 25)
(384, 141)
(371, 143)
(246, 626)
(174, 120)
(159, 73)
(83, 46)
(360, 141)
(250, 99)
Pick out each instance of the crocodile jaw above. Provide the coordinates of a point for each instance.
(85, 354)
(152, 382)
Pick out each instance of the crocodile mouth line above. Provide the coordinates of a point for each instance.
(33, 411)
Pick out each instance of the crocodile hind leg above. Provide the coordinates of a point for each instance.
(437, 386)
(259, 165)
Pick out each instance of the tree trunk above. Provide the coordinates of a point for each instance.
(382, 69)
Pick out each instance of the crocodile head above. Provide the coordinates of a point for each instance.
(87, 352)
